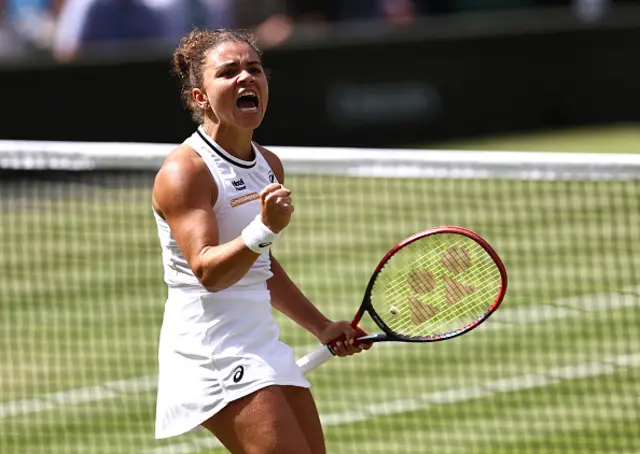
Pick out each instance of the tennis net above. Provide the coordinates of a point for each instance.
(556, 370)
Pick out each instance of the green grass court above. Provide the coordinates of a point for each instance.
(555, 371)
(623, 138)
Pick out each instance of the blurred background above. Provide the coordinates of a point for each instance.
(89, 109)
(344, 73)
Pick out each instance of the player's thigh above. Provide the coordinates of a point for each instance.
(306, 413)
(261, 423)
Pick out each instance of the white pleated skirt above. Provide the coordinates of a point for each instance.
(215, 348)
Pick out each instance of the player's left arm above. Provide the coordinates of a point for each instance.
(289, 299)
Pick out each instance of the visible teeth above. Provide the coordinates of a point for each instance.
(248, 94)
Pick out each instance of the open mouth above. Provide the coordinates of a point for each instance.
(248, 102)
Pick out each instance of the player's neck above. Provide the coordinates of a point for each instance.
(236, 142)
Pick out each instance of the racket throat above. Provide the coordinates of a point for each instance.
(373, 338)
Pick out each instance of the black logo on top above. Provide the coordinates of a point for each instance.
(272, 177)
(238, 373)
(239, 184)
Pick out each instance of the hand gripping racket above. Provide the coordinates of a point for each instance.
(433, 286)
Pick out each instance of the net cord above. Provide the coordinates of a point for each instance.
(365, 162)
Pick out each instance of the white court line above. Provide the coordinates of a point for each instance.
(565, 308)
(107, 390)
(447, 396)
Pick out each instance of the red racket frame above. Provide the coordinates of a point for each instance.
(389, 335)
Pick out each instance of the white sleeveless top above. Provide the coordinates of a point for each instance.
(216, 347)
(239, 185)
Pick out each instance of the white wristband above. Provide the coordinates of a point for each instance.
(257, 236)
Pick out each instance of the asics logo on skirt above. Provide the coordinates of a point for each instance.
(238, 373)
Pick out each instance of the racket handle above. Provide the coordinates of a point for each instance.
(314, 359)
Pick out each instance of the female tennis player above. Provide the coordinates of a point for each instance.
(220, 205)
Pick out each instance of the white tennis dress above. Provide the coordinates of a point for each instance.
(217, 347)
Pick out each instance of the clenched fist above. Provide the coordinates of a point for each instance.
(275, 207)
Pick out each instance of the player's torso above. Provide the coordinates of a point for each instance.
(239, 185)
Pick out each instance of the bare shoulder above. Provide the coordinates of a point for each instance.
(274, 162)
(183, 179)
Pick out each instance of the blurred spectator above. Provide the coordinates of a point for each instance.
(113, 25)
(399, 12)
(32, 21)
(591, 10)
(269, 19)
(274, 21)
(69, 28)
(72, 27)
(11, 46)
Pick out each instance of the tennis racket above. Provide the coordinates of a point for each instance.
(435, 285)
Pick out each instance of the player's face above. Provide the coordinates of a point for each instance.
(236, 85)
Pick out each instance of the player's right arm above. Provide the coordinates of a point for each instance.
(183, 194)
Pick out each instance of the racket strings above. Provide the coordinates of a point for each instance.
(432, 319)
(464, 304)
(454, 315)
(436, 285)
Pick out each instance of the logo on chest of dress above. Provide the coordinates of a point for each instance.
(239, 185)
